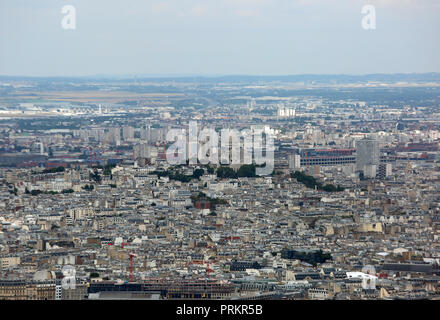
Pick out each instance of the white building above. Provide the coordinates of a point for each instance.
(286, 112)
(294, 161)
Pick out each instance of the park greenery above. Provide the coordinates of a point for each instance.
(36, 192)
(51, 170)
(222, 172)
(245, 171)
(88, 187)
(312, 183)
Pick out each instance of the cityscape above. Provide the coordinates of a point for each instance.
(349, 211)
(219, 158)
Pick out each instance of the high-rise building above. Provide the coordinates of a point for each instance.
(370, 170)
(114, 135)
(128, 133)
(145, 133)
(142, 150)
(367, 153)
(294, 161)
(286, 112)
(384, 170)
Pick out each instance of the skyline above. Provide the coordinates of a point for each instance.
(219, 75)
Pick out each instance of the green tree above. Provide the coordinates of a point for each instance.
(247, 171)
(210, 170)
(198, 173)
(226, 173)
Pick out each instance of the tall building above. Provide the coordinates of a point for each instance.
(128, 133)
(114, 135)
(294, 161)
(142, 150)
(145, 133)
(384, 170)
(286, 112)
(370, 170)
(367, 153)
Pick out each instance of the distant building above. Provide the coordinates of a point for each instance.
(286, 112)
(367, 153)
(384, 170)
(128, 133)
(9, 261)
(294, 161)
(114, 135)
(370, 170)
(22, 290)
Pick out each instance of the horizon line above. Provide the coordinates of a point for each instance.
(177, 75)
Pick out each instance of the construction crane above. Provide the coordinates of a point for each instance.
(131, 255)
(208, 270)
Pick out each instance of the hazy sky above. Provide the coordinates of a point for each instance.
(217, 37)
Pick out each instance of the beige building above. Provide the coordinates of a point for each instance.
(8, 261)
(20, 290)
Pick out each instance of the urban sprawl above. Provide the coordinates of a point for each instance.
(351, 209)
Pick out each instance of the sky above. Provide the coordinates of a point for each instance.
(218, 37)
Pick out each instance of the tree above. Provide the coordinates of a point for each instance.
(36, 192)
(210, 170)
(226, 173)
(95, 176)
(54, 170)
(312, 183)
(198, 173)
(108, 169)
(89, 187)
(247, 171)
(329, 188)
